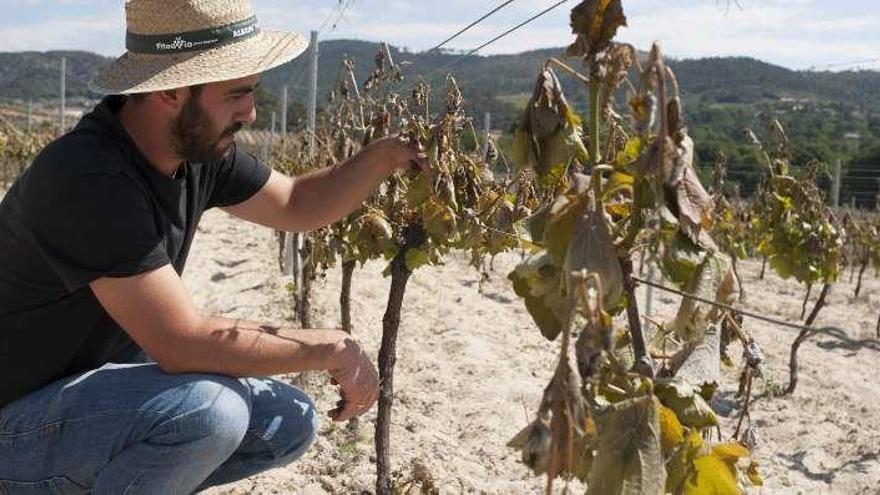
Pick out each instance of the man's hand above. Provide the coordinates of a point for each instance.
(323, 196)
(400, 152)
(358, 381)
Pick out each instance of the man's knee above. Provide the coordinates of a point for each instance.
(287, 422)
(213, 409)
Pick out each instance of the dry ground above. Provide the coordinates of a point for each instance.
(471, 368)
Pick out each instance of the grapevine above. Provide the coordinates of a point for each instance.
(619, 420)
(799, 235)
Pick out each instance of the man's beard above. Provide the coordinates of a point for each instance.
(193, 136)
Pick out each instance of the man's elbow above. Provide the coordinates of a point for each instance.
(178, 352)
(302, 222)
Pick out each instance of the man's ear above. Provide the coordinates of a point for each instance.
(172, 98)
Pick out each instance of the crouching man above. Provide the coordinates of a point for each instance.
(93, 239)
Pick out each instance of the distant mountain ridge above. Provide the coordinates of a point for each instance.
(496, 83)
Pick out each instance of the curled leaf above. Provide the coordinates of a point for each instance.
(548, 138)
(539, 283)
(684, 399)
(692, 202)
(533, 442)
(592, 249)
(713, 280)
(595, 22)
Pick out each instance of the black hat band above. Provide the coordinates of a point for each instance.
(158, 44)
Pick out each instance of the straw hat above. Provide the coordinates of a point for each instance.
(177, 43)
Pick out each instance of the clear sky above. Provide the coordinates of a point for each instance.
(798, 34)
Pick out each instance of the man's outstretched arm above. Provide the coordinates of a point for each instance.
(323, 196)
(156, 311)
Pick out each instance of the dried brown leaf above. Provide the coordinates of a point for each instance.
(595, 22)
(592, 249)
(693, 203)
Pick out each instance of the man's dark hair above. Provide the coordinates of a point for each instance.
(139, 97)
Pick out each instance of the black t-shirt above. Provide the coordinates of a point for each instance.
(91, 206)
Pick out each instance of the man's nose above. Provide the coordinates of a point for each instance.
(248, 114)
(251, 115)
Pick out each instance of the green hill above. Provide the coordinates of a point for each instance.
(822, 111)
(35, 75)
(496, 83)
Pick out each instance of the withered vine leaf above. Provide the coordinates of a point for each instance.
(693, 203)
(628, 458)
(687, 403)
(571, 424)
(592, 249)
(538, 281)
(713, 280)
(548, 137)
(561, 224)
(595, 22)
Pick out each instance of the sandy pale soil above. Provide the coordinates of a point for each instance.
(471, 368)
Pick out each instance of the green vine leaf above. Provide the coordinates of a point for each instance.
(416, 258)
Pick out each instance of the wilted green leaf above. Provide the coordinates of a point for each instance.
(680, 261)
(539, 283)
(560, 227)
(628, 457)
(537, 223)
(419, 190)
(685, 400)
(439, 221)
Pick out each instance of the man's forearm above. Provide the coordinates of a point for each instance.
(324, 196)
(243, 348)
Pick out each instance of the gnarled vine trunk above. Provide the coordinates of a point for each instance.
(643, 364)
(802, 337)
(806, 301)
(345, 310)
(345, 295)
(861, 274)
(742, 293)
(413, 236)
(308, 276)
(308, 381)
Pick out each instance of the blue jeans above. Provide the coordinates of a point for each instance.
(133, 429)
